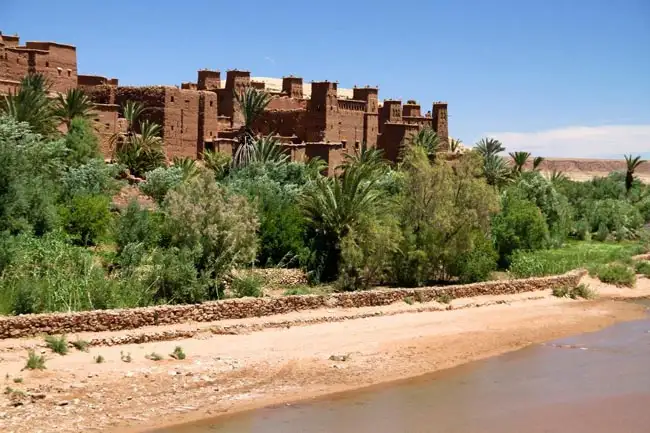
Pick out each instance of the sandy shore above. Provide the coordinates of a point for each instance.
(229, 373)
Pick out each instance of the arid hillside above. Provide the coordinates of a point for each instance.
(584, 169)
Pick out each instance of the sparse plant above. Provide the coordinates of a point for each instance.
(295, 291)
(618, 274)
(643, 267)
(247, 286)
(14, 393)
(580, 291)
(80, 345)
(409, 300)
(125, 357)
(178, 353)
(57, 344)
(18, 380)
(153, 356)
(99, 359)
(444, 298)
(34, 361)
(519, 159)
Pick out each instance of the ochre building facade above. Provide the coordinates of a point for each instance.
(310, 119)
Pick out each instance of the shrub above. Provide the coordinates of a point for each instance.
(477, 264)
(581, 291)
(160, 181)
(58, 345)
(520, 226)
(618, 274)
(99, 359)
(34, 361)
(643, 268)
(125, 358)
(294, 291)
(174, 278)
(136, 225)
(178, 353)
(92, 178)
(87, 218)
(614, 216)
(81, 142)
(218, 228)
(247, 286)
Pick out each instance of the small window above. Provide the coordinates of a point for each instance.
(59, 71)
(210, 103)
(69, 73)
(18, 61)
(47, 64)
(172, 125)
(172, 99)
(210, 133)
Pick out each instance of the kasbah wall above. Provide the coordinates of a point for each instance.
(204, 115)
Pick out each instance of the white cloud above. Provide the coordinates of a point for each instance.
(579, 141)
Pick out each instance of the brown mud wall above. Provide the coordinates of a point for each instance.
(114, 320)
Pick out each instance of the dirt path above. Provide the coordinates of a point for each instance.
(228, 373)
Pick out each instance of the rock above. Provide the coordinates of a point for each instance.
(63, 403)
(339, 358)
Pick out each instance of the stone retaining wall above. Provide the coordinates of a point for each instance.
(114, 320)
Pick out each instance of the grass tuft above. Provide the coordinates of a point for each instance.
(409, 300)
(57, 344)
(153, 356)
(18, 380)
(34, 361)
(178, 353)
(247, 286)
(643, 268)
(99, 359)
(618, 274)
(81, 345)
(125, 358)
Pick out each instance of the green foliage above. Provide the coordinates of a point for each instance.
(519, 159)
(477, 264)
(441, 211)
(32, 105)
(614, 216)
(251, 102)
(99, 359)
(29, 178)
(81, 142)
(57, 344)
(34, 361)
(488, 147)
(81, 345)
(247, 286)
(219, 229)
(73, 105)
(573, 255)
(139, 152)
(92, 178)
(643, 267)
(632, 163)
(297, 291)
(520, 226)
(274, 190)
(178, 353)
(219, 163)
(87, 218)
(427, 139)
(153, 356)
(138, 226)
(581, 291)
(618, 274)
(47, 274)
(161, 180)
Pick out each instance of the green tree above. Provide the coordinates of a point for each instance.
(87, 218)
(31, 104)
(537, 162)
(519, 159)
(81, 142)
(74, 104)
(252, 103)
(488, 147)
(427, 139)
(632, 163)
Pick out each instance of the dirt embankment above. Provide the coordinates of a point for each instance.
(316, 352)
(585, 169)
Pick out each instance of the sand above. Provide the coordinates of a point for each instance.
(224, 374)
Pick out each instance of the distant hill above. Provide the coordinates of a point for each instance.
(587, 168)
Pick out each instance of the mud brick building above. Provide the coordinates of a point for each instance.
(310, 119)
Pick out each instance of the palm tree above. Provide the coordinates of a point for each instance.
(252, 102)
(488, 147)
(31, 104)
(132, 111)
(519, 159)
(496, 171)
(366, 158)
(73, 104)
(455, 145)
(188, 166)
(632, 164)
(268, 149)
(427, 139)
(537, 161)
(557, 177)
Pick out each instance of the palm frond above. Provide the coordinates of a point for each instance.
(269, 150)
(519, 159)
(428, 139)
(488, 147)
(252, 102)
(537, 161)
(32, 105)
(75, 103)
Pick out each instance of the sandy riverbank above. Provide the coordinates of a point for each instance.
(228, 373)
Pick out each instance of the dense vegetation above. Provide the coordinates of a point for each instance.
(431, 218)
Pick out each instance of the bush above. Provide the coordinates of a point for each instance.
(178, 353)
(519, 226)
(218, 228)
(618, 274)
(81, 142)
(136, 225)
(92, 178)
(160, 181)
(87, 218)
(247, 286)
(614, 216)
(34, 361)
(477, 264)
(581, 291)
(643, 268)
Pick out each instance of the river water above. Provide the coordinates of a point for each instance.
(591, 383)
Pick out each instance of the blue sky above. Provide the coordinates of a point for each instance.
(556, 77)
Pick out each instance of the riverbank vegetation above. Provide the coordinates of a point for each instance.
(433, 218)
